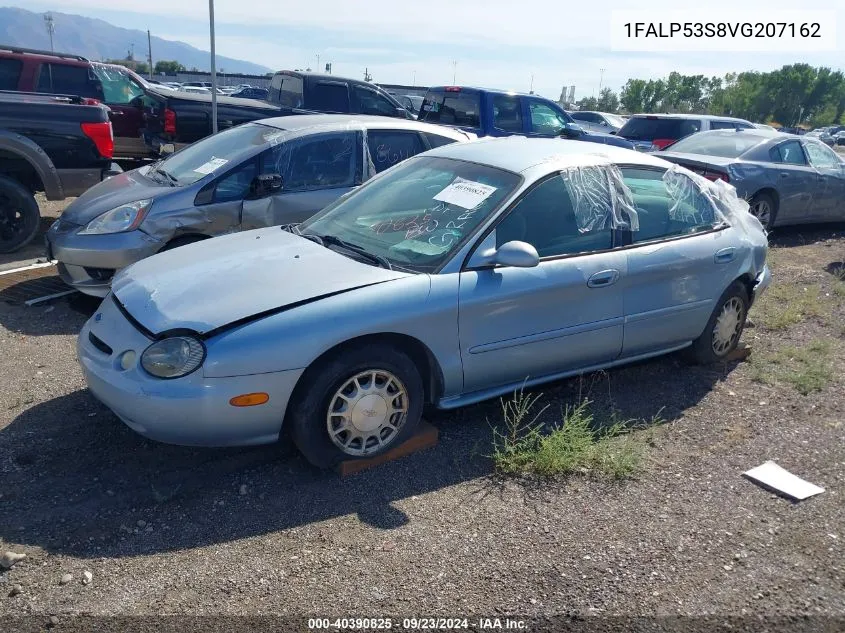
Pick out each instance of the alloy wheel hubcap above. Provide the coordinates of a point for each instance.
(762, 212)
(366, 413)
(728, 324)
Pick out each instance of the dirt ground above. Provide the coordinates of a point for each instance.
(168, 530)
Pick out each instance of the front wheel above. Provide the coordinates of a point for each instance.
(19, 215)
(357, 404)
(724, 328)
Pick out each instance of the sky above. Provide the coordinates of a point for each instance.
(507, 44)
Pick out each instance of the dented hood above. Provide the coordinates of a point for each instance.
(217, 282)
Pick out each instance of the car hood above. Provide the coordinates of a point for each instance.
(608, 139)
(229, 279)
(124, 188)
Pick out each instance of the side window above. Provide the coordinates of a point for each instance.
(69, 80)
(821, 157)
(435, 140)
(371, 102)
(544, 120)
(722, 125)
(235, 185)
(319, 161)
(329, 98)
(10, 72)
(118, 88)
(667, 207)
(388, 147)
(507, 113)
(689, 126)
(744, 126)
(545, 218)
(788, 152)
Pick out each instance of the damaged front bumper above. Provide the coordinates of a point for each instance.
(763, 281)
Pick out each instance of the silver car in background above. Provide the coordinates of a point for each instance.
(268, 172)
(602, 122)
(787, 179)
(456, 276)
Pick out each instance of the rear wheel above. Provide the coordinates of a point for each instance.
(724, 328)
(19, 215)
(764, 208)
(357, 404)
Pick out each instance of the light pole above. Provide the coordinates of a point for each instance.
(51, 27)
(601, 78)
(213, 70)
(414, 82)
(454, 71)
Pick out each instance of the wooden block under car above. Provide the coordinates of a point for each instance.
(741, 352)
(425, 437)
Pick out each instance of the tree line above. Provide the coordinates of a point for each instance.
(169, 67)
(792, 95)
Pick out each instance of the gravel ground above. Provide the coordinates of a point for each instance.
(169, 530)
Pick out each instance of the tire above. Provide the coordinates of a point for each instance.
(321, 387)
(182, 241)
(19, 215)
(764, 207)
(706, 349)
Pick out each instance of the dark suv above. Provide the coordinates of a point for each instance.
(654, 132)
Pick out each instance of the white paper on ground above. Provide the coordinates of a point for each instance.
(466, 194)
(212, 165)
(773, 476)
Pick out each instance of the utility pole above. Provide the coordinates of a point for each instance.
(150, 52)
(531, 89)
(51, 28)
(414, 82)
(454, 71)
(318, 63)
(601, 78)
(213, 69)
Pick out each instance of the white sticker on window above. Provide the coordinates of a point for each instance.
(465, 193)
(213, 165)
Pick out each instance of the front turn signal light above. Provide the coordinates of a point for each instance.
(249, 399)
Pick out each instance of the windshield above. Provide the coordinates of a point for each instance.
(719, 144)
(417, 214)
(618, 121)
(216, 152)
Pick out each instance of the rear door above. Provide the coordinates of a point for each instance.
(455, 107)
(125, 100)
(11, 70)
(795, 181)
(506, 115)
(677, 264)
(829, 198)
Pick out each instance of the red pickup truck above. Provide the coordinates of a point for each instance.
(125, 93)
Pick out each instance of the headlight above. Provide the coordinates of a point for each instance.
(173, 357)
(126, 217)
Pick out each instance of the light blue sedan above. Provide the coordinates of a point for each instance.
(456, 276)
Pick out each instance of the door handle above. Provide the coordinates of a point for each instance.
(783, 174)
(603, 278)
(725, 255)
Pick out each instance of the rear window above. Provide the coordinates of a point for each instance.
(286, 90)
(10, 72)
(327, 97)
(648, 129)
(452, 108)
(725, 145)
(69, 80)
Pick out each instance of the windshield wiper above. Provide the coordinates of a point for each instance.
(173, 179)
(336, 241)
(292, 228)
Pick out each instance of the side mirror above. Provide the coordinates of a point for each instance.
(265, 185)
(570, 130)
(513, 254)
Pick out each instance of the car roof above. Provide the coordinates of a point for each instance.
(344, 121)
(518, 153)
(762, 133)
(495, 91)
(667, 115)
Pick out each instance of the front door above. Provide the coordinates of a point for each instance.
(795, 180)
(124, 97)
(316, 170)
(566, 313)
